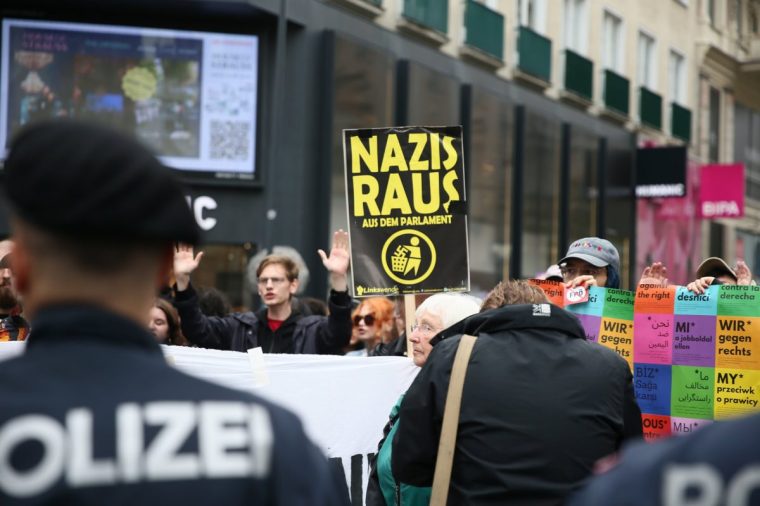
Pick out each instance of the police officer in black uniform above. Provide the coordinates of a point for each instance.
(92, 413)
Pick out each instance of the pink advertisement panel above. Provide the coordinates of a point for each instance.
(721, 193)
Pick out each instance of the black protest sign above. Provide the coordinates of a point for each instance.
(406, 210)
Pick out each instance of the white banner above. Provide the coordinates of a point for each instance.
(344, 402)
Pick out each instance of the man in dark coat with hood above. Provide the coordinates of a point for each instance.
(540, 406)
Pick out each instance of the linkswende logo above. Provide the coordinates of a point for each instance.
(408, 257)
(362, 291)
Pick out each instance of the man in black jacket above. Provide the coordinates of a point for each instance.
(92, 413)
(280, 327)
(540, 406)
(718, 465)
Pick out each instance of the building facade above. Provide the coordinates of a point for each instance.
(554, 96)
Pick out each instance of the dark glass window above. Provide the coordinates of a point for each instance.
(540, 210)
(747, 147)
(433, 98)
(714, 140)
(363, 87)
(224, 267)
(490, 142)
(584, 189)
(619, 210)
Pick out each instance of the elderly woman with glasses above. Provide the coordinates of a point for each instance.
(434, 315)
(373, 323)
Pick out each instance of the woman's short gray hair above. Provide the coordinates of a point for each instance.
(450, 307)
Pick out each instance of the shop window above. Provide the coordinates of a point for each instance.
(225, 268)
(490, 142)
(584, 189)
(619, 209)
(540, 210)
(363, 87)
(434, 98)
(714, 132)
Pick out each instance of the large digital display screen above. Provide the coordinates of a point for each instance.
(190, 96)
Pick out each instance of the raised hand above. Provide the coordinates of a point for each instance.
(338, 261)
(743, 274)
(654, 275)
(185, 262)
(699, 286)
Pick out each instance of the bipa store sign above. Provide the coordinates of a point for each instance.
(721, 191)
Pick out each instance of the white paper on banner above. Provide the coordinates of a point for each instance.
(258, 367)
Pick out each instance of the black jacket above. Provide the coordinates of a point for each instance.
(93, 414)
(719, 460)
(540, 405)
(395, 348)
(241, 331)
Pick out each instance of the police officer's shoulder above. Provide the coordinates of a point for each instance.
(714, 457)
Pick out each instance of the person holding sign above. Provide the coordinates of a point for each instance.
(540, 405)
(715, 271)
(712, 271)
(279, 328)
(591, 261)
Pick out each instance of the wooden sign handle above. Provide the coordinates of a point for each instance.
(410, 306)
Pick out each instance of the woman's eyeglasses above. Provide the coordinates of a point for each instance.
(369, 320)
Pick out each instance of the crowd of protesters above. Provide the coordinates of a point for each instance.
(541, 407)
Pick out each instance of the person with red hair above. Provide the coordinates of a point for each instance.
(373, 323)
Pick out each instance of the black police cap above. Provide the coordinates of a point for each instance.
(86, 179)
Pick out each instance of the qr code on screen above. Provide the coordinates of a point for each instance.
(230, 140)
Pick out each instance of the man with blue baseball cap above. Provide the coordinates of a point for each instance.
(591, 261)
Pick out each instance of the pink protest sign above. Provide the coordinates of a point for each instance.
(721, 192)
